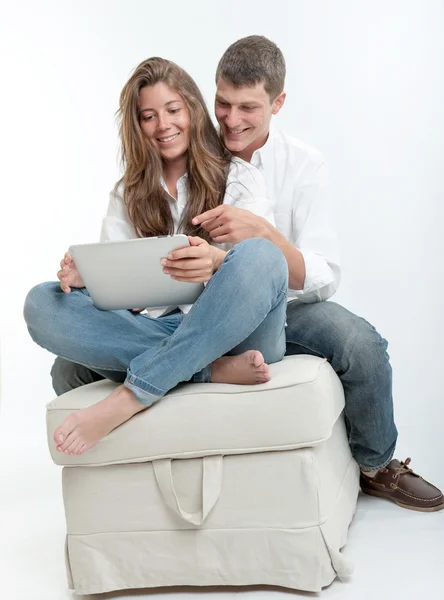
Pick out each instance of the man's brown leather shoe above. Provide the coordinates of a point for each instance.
(399, 483)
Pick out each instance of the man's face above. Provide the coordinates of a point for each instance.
(244, 116)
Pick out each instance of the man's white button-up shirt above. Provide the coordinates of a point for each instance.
(295, 177)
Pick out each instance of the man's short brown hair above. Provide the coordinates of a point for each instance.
(251, 60)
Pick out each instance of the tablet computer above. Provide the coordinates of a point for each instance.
(128, 274)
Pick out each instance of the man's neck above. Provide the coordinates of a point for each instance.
(248, 152)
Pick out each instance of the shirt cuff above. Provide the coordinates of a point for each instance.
(321, 279)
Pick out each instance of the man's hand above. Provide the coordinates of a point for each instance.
(195, 263)
(68, 275)
(227, 223)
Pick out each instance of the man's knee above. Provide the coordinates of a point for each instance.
(67, 376)
(360, 337)
(331, 330)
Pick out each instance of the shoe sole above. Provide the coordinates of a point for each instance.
(380, 495)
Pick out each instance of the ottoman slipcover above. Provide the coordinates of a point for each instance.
(214, 485)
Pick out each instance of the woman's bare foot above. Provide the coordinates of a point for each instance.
(247, 369)
(81, 430)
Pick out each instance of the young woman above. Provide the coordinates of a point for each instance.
(175, 169)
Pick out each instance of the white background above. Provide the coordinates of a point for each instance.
(365, 86)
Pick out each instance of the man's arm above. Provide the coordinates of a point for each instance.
(314, 234)
(294, 257)
(233, 225)
(312, 255)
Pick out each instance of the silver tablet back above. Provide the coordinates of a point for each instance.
(128, 274)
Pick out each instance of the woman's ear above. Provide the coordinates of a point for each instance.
(278, 103)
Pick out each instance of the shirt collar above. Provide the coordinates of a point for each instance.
(262, 157)
(181, 182)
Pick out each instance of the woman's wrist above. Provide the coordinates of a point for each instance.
(218, 257)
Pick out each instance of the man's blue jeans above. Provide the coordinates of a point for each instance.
(243, 307)
(358, 355)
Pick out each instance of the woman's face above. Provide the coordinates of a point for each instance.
(165, 120)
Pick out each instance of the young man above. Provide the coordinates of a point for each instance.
(250, 90)
(250, 82)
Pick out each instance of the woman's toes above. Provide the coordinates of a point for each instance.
(59, 437)
(81, 449)
(75, 446)
(70, 438)
(257, 359)
(62, 433)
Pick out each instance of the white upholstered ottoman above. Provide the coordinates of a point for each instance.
(215, 485)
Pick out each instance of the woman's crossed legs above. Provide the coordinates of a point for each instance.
(243, 305)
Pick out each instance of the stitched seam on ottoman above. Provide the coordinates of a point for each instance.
(223, 529)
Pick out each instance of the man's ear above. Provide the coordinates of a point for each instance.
(278, 103)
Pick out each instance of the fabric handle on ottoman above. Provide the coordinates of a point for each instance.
(211, 487)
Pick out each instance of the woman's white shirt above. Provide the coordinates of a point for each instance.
(245, 189)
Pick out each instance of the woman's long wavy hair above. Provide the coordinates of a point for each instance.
(207, 162)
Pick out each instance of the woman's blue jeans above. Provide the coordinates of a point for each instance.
(243, 307)
(354, 348)
(356, 352)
